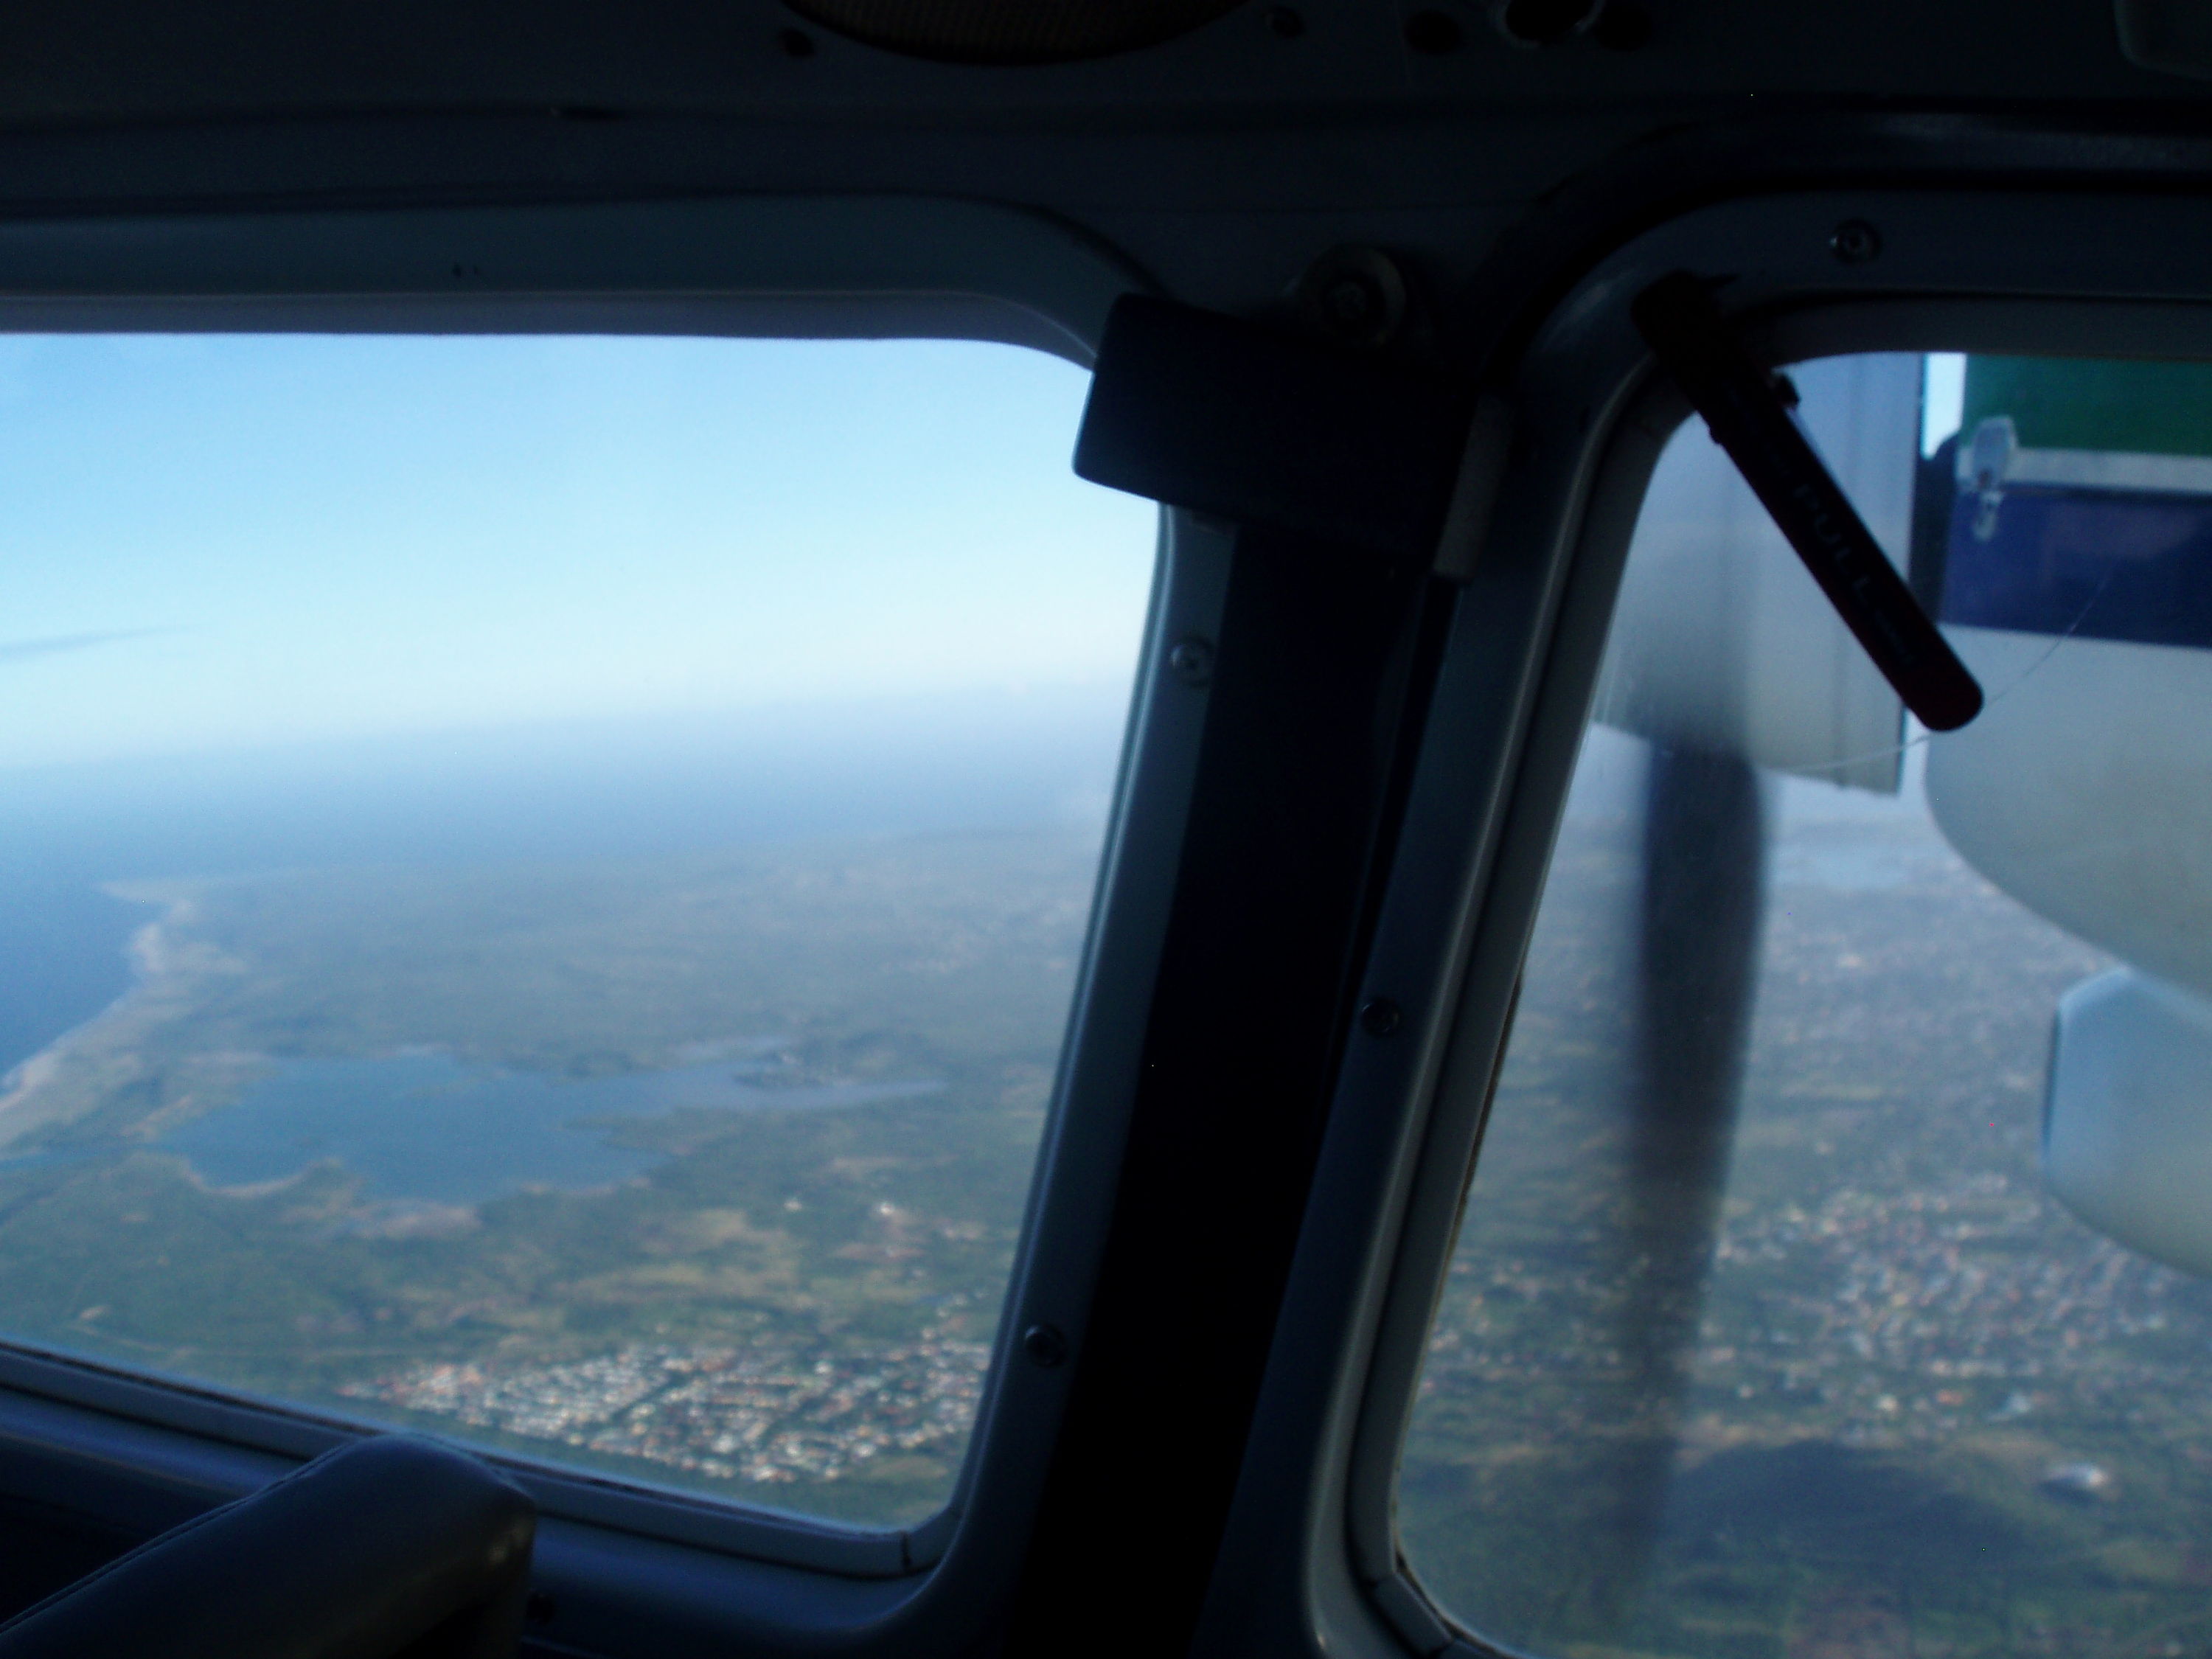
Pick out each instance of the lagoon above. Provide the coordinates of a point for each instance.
(421, 1126)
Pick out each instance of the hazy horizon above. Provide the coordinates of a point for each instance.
(224, 541)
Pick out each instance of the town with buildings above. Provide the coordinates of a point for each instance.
(767, 1415)
(1893, 1400)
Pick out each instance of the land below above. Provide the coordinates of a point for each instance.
(1893, 1401)
(782, 1289)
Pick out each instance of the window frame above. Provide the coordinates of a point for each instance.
(1313, 1562)
(629, 1563)
(1309, 1560)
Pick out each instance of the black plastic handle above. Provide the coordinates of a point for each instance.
(1750, 418)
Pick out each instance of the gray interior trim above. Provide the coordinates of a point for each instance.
(1289, 1573)
(1064, 1230)
(84, 1461)
(857, 316)
(1481, 1022)
(855, 266)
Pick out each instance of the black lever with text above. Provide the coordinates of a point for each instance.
(1748, 408)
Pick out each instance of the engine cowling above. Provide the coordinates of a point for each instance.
(2077, 585)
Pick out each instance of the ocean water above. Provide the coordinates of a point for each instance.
(423, 1127)
(612, 788)
(62, 955)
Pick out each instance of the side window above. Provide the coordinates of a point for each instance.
(542, 879)
(1833, 1277)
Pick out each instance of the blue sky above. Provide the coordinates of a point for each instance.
(295, 538)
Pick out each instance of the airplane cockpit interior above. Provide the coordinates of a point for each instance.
(1006, 828)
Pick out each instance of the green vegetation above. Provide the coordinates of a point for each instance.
(1921, 1412)
(858, 1252)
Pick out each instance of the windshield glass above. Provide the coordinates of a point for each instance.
(541, 879)
(1832, 1281)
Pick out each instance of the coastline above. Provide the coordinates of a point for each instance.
(145, 951)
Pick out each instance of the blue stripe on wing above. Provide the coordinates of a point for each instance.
(2100, 564)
